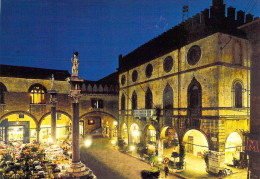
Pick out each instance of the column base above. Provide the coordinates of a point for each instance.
(79, 170)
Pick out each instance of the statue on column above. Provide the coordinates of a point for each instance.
(52, 81)
(75, 63)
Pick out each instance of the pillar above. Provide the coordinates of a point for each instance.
(75, 133)
(53, 123)
(38, 135)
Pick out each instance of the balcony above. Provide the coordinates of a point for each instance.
(38, 108)
(143, 113)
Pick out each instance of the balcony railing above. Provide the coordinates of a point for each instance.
(143, 113)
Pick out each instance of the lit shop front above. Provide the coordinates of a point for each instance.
(18, 127)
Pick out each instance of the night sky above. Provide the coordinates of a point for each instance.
(44, 33)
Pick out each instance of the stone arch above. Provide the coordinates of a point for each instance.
(134, 134)
(196, 144)
(169, 140)
(98, 112)
(57, 111)
(20, 112)
(37, 84)
(233, 147)
(3, 89)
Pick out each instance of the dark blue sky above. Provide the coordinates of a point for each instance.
(44, 33)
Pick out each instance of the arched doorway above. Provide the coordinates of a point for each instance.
(124, 133)
(195, 142)
(151, 138)
(63, 127)
(134, 136)
(18, 127)
(169, 140)
(100, 123)
(233, 147)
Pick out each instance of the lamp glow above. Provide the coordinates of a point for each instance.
(88, 143)
(132, 148)
(115, 123)
(113, 142)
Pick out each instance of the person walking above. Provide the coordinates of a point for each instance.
(166, 171)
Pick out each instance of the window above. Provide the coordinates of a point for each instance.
(58, 116)
(168, 100)
(123, 102)
(123, 80)
(194, 55)
(2, 90)
(149, 70)
(97, 103)
(238, 95)
(168, 64)
(148, 99)
(134, 101)
(194, 98)
(37, 92)
(134, 76)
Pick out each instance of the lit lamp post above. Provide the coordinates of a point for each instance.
(53, 102)
(76, 169)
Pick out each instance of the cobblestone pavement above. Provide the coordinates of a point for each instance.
(108, 163)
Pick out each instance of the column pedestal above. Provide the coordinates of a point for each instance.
(78, 170)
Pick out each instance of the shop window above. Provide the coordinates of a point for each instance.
(134, 101)
(238, 95)
(194, 98)
(97, 103)
(123, 102)
(2, 91)
(148, 99)
(37, 93)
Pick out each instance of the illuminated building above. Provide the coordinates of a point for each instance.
(191, 84)
(25, 105)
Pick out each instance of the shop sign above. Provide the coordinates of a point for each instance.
(214, 139)
(252, 145)
(166, 161)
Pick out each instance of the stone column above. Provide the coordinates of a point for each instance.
(75, 133)
(53, 101)
(53, 123)
(76, 169)
(38, 135)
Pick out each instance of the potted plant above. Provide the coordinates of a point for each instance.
(205, 156)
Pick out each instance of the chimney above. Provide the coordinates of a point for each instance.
(249, 18)
(240, 17)
(217, 2)
(231, 13)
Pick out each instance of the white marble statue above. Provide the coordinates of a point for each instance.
(52, 81)
(75, 66)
